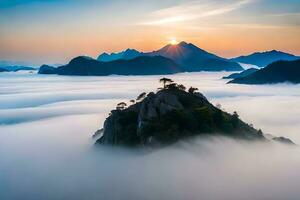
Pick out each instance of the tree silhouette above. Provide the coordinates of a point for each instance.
(181, 87)
(172, 86)
(165, 81)
(121, 106)
(141, 96)
(192, 90)
(132, 101)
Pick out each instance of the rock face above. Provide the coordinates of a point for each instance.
(171, 115)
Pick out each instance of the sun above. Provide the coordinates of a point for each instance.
(173, 41)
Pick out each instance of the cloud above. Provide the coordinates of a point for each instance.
(291, 14)
(252, 26)
(54, 158)
(192, 11)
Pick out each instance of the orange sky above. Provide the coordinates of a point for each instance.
(56, 32)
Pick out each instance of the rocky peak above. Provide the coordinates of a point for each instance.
(170, 115)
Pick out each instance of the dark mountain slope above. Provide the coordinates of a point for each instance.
(191, 58)
(277, 72)
(143, 65)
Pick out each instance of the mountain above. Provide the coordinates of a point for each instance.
(171, 115)
(189, 57)
(126, 55)
(244, 73)
(47, 69)
(262, 59)
(16, 68)
(14, 63)
(142, 65)
(277, 72)
(3, 70)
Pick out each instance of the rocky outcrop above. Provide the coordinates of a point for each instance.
(171, 115)
(283, 140)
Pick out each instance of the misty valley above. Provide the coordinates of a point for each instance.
(149, 100)
(47, 149)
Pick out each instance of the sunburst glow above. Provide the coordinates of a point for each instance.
(173, 41)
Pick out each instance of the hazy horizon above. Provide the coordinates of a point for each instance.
(53, 31)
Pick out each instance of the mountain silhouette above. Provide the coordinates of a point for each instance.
(277, 72)
(143, 65)
(262, 59)
(3, 70)
(244, 73)
(126, 55)
(189, 57)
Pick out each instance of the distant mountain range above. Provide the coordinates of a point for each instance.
(182, 57)
(17, 68)
(244, 73)
(11, 66)
(277, 72)
(3, 70)
(262, 59)
(143, 65)
(189, 57)
(125, 55)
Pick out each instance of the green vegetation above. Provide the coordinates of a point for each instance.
(170, 115)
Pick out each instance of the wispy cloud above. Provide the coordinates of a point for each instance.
(293, 14)
(192, 11)
(252, 26)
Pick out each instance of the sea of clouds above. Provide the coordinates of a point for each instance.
(47, 152)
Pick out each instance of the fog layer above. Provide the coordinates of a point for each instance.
(46, 149)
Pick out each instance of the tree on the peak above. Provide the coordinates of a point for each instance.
(192, 90)
(172, 86)
(235, 114)
(181, 87)
(165, 81)
(235, 119)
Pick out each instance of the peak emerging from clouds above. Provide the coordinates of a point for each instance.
(262, 59)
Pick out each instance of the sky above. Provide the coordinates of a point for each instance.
(54, 31)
